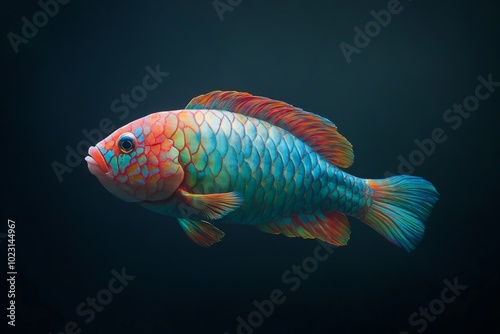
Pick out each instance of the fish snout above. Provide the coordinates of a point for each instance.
(96, 162)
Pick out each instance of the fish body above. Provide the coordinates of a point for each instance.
(272, 169)
(231, 157)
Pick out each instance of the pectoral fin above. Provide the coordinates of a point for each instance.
(213, 206)
(201, 232)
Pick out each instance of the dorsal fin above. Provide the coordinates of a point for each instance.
(316, 131)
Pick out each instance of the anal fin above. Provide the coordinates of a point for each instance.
(332, 227)
(201, 232)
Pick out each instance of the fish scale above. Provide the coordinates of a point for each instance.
(305, 192)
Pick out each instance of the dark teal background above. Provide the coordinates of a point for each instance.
(71, 234)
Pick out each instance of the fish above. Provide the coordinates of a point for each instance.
(232, 157)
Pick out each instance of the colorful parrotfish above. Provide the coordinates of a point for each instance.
(232, 157)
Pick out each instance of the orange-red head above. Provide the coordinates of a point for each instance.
(139, 162)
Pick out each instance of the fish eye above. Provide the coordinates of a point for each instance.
(126, 142)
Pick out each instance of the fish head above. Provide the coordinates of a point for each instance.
(137, 162)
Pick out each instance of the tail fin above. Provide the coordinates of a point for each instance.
(400, 206)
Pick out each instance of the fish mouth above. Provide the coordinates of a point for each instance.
(96, 162)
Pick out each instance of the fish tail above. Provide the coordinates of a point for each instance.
(399, 207)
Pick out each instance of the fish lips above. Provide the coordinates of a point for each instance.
(96, 163)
